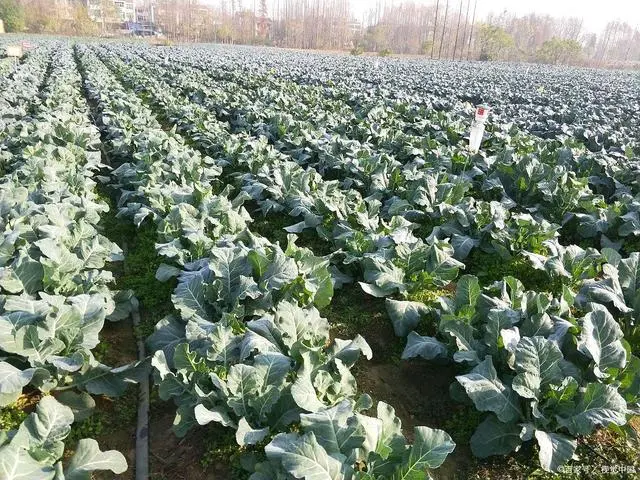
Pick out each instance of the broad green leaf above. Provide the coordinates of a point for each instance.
(488, 393)
(245, 435)
(81, 404)
(600, 339)
(467, 291)
(244, 382)
(190, 298)
(537, 361)
(405, 315)
(493, 437)
(598, 405)
(303, 391)
(216, 414)
(429, 450)
(555, 449)
(17, 464)
(425, 347)
(304, 458)
(13, 379)
(469, 349)
(336, 428)
(88, 458)
(45, 429)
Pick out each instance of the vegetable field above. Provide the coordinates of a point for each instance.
(292, 265)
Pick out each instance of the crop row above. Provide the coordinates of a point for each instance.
(503, 329)
(248, 349)
(548, 329)
(380, 176)
(53, 275)
(596, 108)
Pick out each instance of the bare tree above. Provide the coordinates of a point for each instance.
(455, 45)
(473, 21)
(464, 33)
(435, 27)
(444, 27)
(402, 26)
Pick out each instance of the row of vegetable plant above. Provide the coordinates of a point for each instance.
(249, 348)
(55, 283)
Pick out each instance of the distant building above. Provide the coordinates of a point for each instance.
(126, 10)
(94, 9)
(145, 11)
(103, 10)
(355, 26)
(135, 17)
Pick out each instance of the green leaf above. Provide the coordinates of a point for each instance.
(488, 393)
(349, 351)
(555, 449)
(469, 349)
(600, 339)
(537, 361)
(30, 274)
(190, 298)
(429, 450)
(17, 464)
(81, 404)
(599, 405)
(405, 315)
(425, 347)
(245, 435)
(88, 458)
(13, 379)
(302, 390)
(467, 291)
(304, 458)
(493, 437)
(166, 272)
(300, 325)
(244, 382)
(336, 428)
(216, 414)
(232, 272)
(45, 429)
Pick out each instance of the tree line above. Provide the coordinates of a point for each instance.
(442, 29)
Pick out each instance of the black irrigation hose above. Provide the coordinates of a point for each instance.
(142, 427)
(142, 424)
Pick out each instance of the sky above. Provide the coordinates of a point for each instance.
(595, 13)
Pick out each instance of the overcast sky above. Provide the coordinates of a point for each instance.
(596, 13)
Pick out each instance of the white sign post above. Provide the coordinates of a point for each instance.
(477, 128)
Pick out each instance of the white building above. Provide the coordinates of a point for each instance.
(99, 9)
(126, 9)
(94, 9)
(146, 11)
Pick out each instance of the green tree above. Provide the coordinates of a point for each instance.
(83, 25)
(495, 42)
(559, 50)
(12, 14)
(376, 38)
